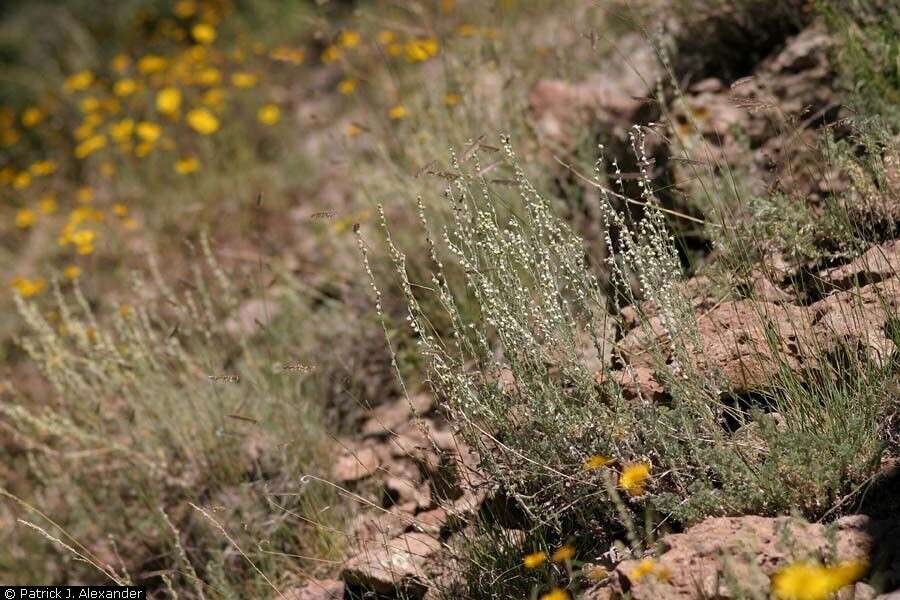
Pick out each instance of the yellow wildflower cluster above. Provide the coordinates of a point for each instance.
(142, 114)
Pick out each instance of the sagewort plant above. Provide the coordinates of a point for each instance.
(528, 376)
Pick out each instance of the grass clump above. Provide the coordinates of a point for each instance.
(155, 407)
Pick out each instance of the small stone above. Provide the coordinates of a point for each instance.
(396, 567)
(356, 465)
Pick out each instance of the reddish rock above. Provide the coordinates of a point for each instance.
(746, 342)
(636, 383)
(562, 109)
(378, 527)
(876, 264)
(388, 417)
(356, 465)
(405, 490)
(859, 318)
(397, 566)
(705, 560)
(431, 522)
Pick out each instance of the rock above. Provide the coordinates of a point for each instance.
(859, 318)
(405, 490)
(369, 528)
(749, 342)
(598, 593)
(863, 591)
(706, 559)
(876, 264)
(562, 109)
(746, 342)
(357, 465)
(315, 589)
(431, 522)
(395, 567)
(388, 417)
(636, 383)
(763, 288)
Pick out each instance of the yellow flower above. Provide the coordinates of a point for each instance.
(597, 574)
(84, 240)
(534, 560)
(187, 165)
(203, 121)
(204, 33)
(122, 130)
(152, 63)
(347, 86)
(22, 180)
(209, 76)
(148, 131)
(90, 145)
(811, 581)
(397, 112)
(595, 462)
(31, 116)
(25, 218)
(421, 50)
(243, 79)
(119, 209)
(269, 114)
(125, 310)
(125, 87)
(83, 132)
(447, 6)
(634, 479)
(89, 104)
(466, 30)
(143, 149)
(168, 101)
(120, 63)
(47, 205)
(349, 39)
(78, 81)
(395, 49)
(28, 287)
(386, 37)
(331, 54)
(563, 554)
(646, 567)
(84, 195)
(415, 52)
(42, 167)
(72, 272)
(130, 224)
(556, 593)
(353, 130)
(452, 99)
